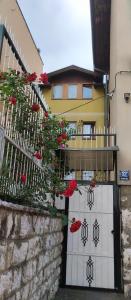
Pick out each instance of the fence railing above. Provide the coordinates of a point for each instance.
(16, 149)
(19, 171)
(98, 139)
(11, 57)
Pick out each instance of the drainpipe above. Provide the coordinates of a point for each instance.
(106, 104)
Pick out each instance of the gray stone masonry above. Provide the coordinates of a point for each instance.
(30, 253)
(126, 238)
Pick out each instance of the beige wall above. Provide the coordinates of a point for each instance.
(120, 59)
(10, 11)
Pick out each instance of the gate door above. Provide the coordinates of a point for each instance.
(90, 250)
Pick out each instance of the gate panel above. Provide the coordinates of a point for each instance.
(90, 250)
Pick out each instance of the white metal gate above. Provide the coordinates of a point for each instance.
(90, 250)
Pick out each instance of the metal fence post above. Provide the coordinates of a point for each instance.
(2, 145)
(1, 39)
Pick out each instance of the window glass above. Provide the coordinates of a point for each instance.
(88, 128)
(71, 129)
(87, 175)
(57, 92)
(72, 91)
(87, 92)
(69, 176)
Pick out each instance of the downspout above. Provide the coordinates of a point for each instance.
(106, 103)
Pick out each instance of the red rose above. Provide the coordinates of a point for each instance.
(70, 189)
(64, 135)
(68, 192)
(75, 226)
(38, 155)
(73, 184)
(35, 107)
(43, 78)
(12, 100)
(31, 77)
(59, 139)
(23, 179)
(46, 114)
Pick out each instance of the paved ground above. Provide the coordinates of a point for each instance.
(74, 294)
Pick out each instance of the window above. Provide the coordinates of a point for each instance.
(87, 92)
(72, 129)
(72, 91)
(87, 175)
(88, 128)
(69, 176)
(57, 91)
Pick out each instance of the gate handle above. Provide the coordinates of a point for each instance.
(112, 231)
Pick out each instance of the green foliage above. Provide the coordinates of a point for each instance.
(42, 130)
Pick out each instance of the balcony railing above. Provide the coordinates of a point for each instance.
(90, 155)
(97, 140)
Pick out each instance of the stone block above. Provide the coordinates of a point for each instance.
(37, 282)
(3, 251)
(3, 224)
(10, 225)
(39, 224)
(26, 226)
(16, 280)
(127, 275)
(55, 225)
(35, 247)
(18, 296)
(54, 239)
(127, 257)
(126, 218)
(9, 254)
(25, 291)
(12, 298)
(41, 262)
(127, 290)
(46, 224)
(20, 252)
(29, 271)
(6, 283)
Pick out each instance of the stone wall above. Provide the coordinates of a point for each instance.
(126, 237)
(30, 253)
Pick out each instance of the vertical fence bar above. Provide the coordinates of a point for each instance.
(2, 145)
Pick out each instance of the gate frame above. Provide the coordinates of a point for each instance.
(117, 242)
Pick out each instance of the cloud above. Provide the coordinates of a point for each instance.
(62, 31)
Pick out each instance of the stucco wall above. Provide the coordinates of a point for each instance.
(30, 253)
(126, 237)
(11, 14)
(120, 60)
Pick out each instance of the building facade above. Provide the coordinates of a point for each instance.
(111, 26)
(77, 95)
(11, 16)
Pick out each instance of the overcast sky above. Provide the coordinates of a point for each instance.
(61, 30)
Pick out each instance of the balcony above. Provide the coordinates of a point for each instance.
(90, 154)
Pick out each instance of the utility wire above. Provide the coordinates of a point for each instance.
(80, 105)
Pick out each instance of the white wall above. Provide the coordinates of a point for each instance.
(120, 59)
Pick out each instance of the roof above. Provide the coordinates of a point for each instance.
(100, 21)
(72, 68)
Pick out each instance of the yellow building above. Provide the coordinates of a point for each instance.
(77, 95)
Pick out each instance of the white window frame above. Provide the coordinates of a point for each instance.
(61, 93)
(89, 87)
(69, 86)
